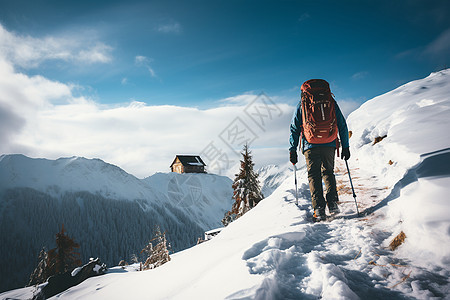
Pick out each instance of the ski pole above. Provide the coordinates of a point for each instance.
(353, 190)
(295, 176)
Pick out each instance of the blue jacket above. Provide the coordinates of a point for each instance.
(296, 129)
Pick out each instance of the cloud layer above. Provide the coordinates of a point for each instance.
(44, 118)
(29, 52)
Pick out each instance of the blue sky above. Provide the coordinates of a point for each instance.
(136, 82)
(192, 53)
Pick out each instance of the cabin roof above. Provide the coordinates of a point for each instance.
(189, 160)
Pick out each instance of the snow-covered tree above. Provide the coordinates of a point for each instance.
(134, 258)
(247, 192)
(39, 274)
(158, 254)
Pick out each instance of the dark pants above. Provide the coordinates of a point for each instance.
(320, 165)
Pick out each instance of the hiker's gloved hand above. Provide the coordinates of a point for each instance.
(293, 157)
(345, 153)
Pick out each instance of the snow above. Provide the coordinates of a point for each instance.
(275, 252)
(417, 143)
(97, 268)
(272, 176)
(424, 214)
(215, 230)
(76, 271)
(71, 174)
(204, 196)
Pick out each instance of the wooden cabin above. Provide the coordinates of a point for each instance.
(188, 164)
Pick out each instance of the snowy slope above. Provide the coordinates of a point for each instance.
(412, 162)
(275, 252)
(415, 119)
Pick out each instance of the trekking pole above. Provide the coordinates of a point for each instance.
(351, 183)
(295, 176)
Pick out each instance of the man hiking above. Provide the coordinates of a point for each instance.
(316, 122)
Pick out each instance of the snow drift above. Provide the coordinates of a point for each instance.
(413, 160)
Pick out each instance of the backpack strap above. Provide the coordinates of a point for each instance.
(303, 121)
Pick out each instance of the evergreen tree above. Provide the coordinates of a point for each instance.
(39, 274)
(247, 192)
(158, 254)
(58, 260)
(63, 258)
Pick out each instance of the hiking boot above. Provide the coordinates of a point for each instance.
(333, 207)
(319, 214)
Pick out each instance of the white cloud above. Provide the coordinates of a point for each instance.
(30, 52)
(139, 59)
(143, 61)
(100, 53)
(304, 17)
(439, 46)
(347, 106)
(360, 75)
(239, 100)
(437, 50)
(173, 27)
(43, 118)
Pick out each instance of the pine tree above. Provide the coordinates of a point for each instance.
(39, 274)
(247, 192)
(157, 254)
(63, 258)
(58, 260)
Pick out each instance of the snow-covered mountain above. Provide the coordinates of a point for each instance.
(272, 176)
(109, 212)
(71, 174)
(402, 183)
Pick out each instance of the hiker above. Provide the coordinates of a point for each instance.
(317, 120)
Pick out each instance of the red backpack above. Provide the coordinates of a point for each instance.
(318, 112)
